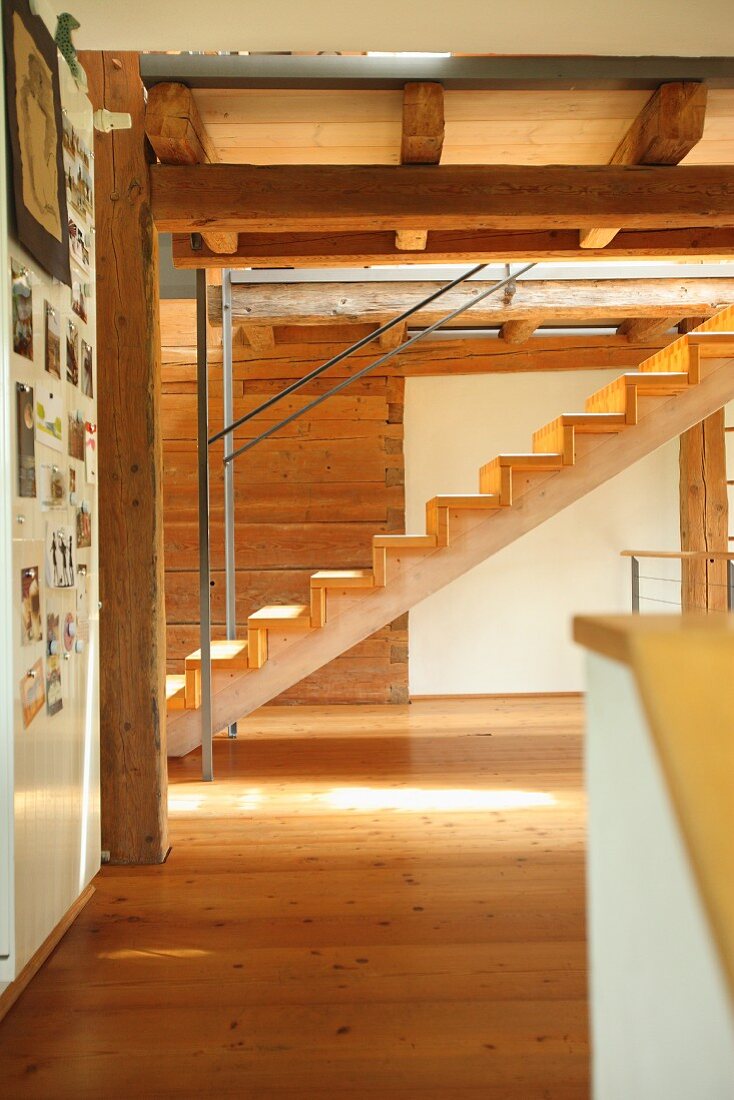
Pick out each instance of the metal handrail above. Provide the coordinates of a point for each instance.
(348, 351)
(370, 366)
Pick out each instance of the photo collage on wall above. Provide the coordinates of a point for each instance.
(53, 363)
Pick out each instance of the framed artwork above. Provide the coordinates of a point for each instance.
(36, 136)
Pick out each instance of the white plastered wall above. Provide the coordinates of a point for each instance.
(662, 1025)
(506, 625)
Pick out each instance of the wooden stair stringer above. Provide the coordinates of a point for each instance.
(434, 570)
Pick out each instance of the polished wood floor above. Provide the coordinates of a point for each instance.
(368, 902)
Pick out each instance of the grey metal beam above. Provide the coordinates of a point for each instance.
(228, 416)
(205, 615)
(576, 72)
(595, 269)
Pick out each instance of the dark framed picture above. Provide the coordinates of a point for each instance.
(36, 136)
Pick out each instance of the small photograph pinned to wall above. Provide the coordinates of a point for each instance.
(76, 436)
(32, 693)
(78, 245)
(22, 310)
(49, 411)
(54, 699)
(82, 603)
(52, 487)
(87, 369)
(72, 483)
(83, 529)
(79, 188)
(69, 631)
(60, 570)
(31, 627)
(83, 153)
(90, 452)
(26, 440)
(53, 633)
(53, 341)
(72, 353)
(68, 137)
(78, 298)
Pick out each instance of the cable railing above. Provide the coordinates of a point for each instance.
(231, 424)
(659, 582)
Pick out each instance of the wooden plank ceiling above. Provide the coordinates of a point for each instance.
(251, 126)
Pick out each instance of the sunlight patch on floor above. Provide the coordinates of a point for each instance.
(421, 800)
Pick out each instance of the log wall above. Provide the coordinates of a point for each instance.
(309, 498)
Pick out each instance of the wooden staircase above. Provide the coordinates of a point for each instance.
(572, 455)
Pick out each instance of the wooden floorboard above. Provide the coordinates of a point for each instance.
(369, 901)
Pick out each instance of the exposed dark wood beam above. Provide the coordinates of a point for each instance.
(293, 354)
(422, 143)
(666, 129)
(132, 622)
(651, 302)
(287, 198)
(178, 136)
(517, 332)
(423, 124)
(317, 249)
(646, 328)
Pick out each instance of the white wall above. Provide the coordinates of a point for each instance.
(654, 27)
(49, 770)
(509, 619)
(662, 1026)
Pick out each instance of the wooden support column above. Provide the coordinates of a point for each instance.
(132, 620)
(704, 518)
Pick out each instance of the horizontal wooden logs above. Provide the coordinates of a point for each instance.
(460, 355)
(285, 198)
(311, 497)
(326, 249)
(571, 300)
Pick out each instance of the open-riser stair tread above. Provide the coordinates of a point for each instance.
(282, 617)
(175, 691)
(404, 542)
(226, 655)
(464, 500)
(343, 578)
(625, 442)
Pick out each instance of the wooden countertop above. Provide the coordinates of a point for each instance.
(684, 667)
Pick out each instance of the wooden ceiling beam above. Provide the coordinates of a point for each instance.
(422, 143)
(517, 332)
(177, 135)
(336, 198)
(423, 124)
(574, 301)
(666, 129)
(323, 249)
(451, 355)
(636, 329)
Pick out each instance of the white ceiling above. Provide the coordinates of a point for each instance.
(612, 27)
